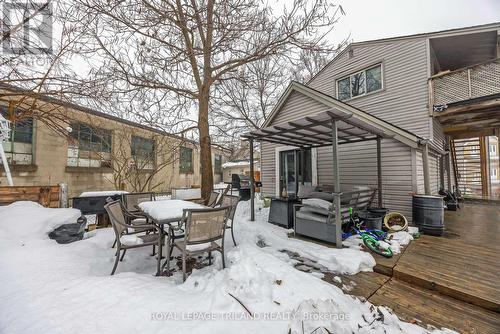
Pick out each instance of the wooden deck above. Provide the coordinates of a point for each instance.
(426, 307)
(451, 281)
(464, 264)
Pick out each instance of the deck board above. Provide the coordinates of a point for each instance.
(432, 308)
(464, 263)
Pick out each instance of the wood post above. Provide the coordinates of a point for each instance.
(252, 184)
(336, 185)
(379, 171)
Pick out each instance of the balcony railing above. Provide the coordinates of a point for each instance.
(464, 84)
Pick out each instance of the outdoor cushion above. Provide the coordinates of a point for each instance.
(322, 195)
(318, 203)
(305, 191)
(308, 215)
(315, 209)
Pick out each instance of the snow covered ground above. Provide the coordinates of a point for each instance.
(46, 287)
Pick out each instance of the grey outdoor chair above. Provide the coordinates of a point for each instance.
(122, 228)
(224, 193)
(203, 229)
(232, 202)
(212, 200)
(130, 201)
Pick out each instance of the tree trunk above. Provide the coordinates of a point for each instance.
(207, 178)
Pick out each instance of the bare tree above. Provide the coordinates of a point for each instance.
(184, 49)
(36, 44)
(142, 166)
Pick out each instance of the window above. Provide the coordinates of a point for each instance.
(143, 152)
(186, 160)
(494, 174)
(493, 149)
(360, 83)
(218, 164)
(19, 147)
(89, 146)
(474, 150)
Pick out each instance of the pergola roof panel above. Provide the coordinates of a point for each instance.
(316, 130)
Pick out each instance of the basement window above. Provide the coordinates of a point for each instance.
(360, 83)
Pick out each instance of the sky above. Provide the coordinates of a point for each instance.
(374, 19)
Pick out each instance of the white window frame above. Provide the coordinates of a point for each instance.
(494, 174)
(314, 166)
(382, 81)
(493, 149)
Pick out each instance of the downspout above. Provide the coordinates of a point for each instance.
(425, 163)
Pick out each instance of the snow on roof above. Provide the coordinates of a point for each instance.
(103, 193)
(240, 163)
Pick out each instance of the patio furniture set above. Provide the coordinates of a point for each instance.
(192, 227)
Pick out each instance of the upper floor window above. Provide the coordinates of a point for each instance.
(493, 149)
(218, 164)
(360, 83)
(494, 174)
(19, 147)
(186, 160)
(89, 146)
(143, 152)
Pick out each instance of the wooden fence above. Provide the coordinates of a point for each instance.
(48, 196)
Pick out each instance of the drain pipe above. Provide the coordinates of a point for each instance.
(425, 163)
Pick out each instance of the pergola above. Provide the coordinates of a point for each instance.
(332, 127)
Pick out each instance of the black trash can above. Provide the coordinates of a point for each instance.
(428, 214)
(372, 221)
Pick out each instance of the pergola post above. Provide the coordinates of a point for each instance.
(425, 162)
(379, 170)
(252, 184)
(336, 185)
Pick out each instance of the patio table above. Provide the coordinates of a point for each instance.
(164, 213)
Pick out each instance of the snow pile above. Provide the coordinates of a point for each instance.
(344, 261)
(396, 241)
(29, 220)
(163, 210)
(231, 164)
(63, 287)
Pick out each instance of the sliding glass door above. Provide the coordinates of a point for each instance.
(295, 168)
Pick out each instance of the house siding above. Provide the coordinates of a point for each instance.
(404, 98)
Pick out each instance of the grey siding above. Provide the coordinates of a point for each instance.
(358, 166)
(433, 170)
(297, 106)
(404, 99)
(267, 165)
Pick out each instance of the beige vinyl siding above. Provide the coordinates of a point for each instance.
(298, 105)
(358, 166)
(420, 173)
(404, 98)
(434, 173)
(267, 165)
(439, 138)
(433, 176)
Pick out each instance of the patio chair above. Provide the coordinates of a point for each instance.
(224, 193)
(139, 222)
(203, 228)
(212, 200)
(121, 229)
(130, 201)
(232, 202)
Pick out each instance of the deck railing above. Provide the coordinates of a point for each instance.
(464, 84)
